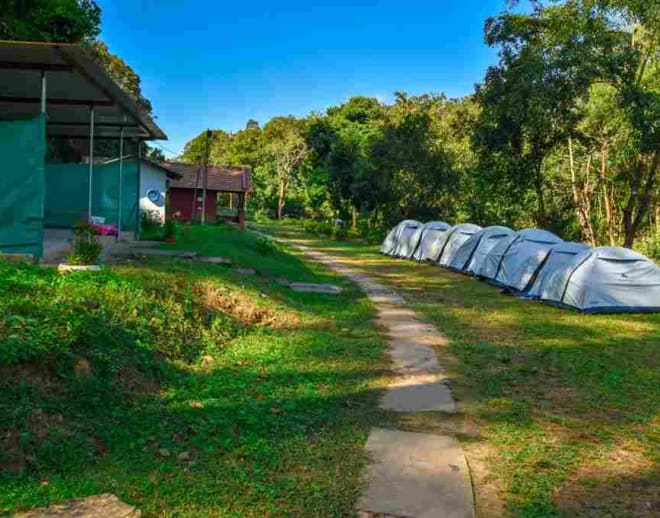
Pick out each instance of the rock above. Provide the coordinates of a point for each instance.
(185, 456)
(164, 452)
(214, 260)
(98, 506)
(245, 271)
(67, 268)
(327, 289)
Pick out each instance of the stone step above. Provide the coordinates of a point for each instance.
(416, 475)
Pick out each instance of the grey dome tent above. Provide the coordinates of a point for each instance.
(606, 280)
(409, 241)
(523, 257)
(459, 235)
(434, 235)
(392, 240)
(471, 254)
(405, 246)
(488, 264)
(559, 258)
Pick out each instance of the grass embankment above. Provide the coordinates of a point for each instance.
(559, 412)
(185, 388)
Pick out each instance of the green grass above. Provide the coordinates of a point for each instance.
(559, 411)
(268, 393)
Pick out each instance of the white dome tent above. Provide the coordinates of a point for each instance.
(434, 235)
(459, 235)
(605, 280)
(489, 265)
(405, 247)
(523, 257)
(559, 258)
(472, 253)
(391, 242)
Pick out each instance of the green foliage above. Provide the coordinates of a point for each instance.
(77, 20)
(127, 79)
(86, 248)
(265, 246)
(169, 229)
(259, 385)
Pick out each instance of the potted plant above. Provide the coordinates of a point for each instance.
(169, 231)
(86, 250)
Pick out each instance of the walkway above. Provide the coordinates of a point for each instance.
(411, 474)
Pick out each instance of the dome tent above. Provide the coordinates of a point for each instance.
(459, 235)
(523, 257)
(488, 264)
(405, 247)
(558, 259)
(606, 280)
(392, 240)
(431, 240)
(472, 253)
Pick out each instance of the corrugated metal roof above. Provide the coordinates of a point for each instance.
(75, 81)
(220, 178)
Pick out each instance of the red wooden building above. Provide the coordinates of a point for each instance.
(186, 194)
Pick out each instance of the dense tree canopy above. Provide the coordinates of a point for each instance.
(563, 132)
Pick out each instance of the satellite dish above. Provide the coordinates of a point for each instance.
(155, 197)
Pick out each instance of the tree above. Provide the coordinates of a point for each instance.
(125, 77)
(287, 149)
(69, 21)
(548, 60)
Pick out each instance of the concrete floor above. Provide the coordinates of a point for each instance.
(58, 242)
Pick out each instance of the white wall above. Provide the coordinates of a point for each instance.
(152, 178)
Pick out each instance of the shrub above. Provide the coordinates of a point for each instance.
(169, 229)
(150, 221)
(265, 246)
(86, 249)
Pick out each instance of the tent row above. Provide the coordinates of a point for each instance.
(534, 264)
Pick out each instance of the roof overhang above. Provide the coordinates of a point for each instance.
(75, 82)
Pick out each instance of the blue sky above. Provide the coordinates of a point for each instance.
(210, 63)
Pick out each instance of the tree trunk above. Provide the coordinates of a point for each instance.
(281, 199)
(354, 215)
(639, 202)
(541, 217)
(609, 217)
(581, 199)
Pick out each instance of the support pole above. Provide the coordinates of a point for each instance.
(91, 162)
(206, 174)
(121, 178)
(43, 91)
(138, 215)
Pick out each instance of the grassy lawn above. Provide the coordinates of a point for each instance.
(185, 388)
(559, 412)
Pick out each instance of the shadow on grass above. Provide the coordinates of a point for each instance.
(564, 405)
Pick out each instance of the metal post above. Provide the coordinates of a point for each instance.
(138, 221)
(206, 174)
(91, 161)
(121, 174)
(43, 91)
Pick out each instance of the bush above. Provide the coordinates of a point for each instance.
(86, 249)
(265, 246)
(150, 221)
(169, 229)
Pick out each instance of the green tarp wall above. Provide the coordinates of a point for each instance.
(22, 156)
(67, 191)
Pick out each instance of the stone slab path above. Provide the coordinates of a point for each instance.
(411, 474)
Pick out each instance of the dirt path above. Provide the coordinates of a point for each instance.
(410, 474)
